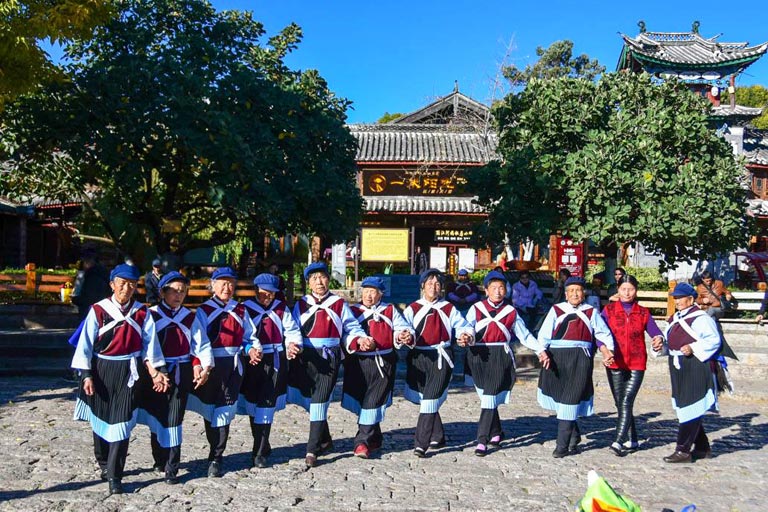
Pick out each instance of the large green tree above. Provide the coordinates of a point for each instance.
(617, 160)
(555, 61)
(26, 24)
(178, 116)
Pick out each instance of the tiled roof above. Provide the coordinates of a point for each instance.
(738, 111)
(414, 204)
(681, 51)
(456, 108)
(756, 146)
(423, 143)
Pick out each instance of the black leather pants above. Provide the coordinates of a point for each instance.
(624, 386)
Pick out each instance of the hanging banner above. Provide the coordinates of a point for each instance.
(386, 245)
(467, 259)
(438, 258)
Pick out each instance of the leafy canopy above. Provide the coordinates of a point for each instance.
(620, 159)
(24, 24)
(554, 62)
(180, 129)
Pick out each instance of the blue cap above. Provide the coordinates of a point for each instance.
(223, 273)
(317, 266)
(463, 272)
(430, 272)
(125, 271)
(575, 280)
(172, 276)
(267, 282)
(156, 262)
(493, 275)
(374, 282)
(683, 290)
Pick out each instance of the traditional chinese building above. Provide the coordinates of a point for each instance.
(709, 66)
(411, 173)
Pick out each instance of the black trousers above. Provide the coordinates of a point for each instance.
(111, 456)
(624, 387)
(429, 428)
(217, 441)
(319, 434)
(568, 435)
(691, 435)
(166, 458)
(261, 446)
(488, 426)
(369, 435)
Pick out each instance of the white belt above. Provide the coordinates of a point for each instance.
(442, 354)
(505, 344)
(675, 355)
(173, 363)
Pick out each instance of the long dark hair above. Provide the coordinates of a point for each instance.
(628, 279)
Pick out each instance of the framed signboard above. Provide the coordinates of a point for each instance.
(387, 245)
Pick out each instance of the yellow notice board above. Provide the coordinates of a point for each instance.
(390, 245)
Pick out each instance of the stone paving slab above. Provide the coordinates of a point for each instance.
(47, 460)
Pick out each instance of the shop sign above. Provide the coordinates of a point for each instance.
(388, 245)
(418, 182)
(453, 235)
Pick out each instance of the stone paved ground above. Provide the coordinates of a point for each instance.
(47, 461)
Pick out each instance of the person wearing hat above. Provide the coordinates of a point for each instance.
(491, 359)
(569, 333)
(692, 341)
(463, 293)
(325, 320)
(369, 370)
(152, 283)
(226, 324)
(265, 377)
(117, 335)
(436, 322)
(189, 361)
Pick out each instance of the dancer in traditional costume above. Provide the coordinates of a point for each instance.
(189, 361)
(569, 332)
(325, 320)
(265, 380)
(491, 359)
(228, 327)
(369, 370)
(117, 335)
(693, 342)
(436, 322)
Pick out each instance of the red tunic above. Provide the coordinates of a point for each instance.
(629, 333)
(381, 331)
(172, 339)
(225, 331)
(122, 339)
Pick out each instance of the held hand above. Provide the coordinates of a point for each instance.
(657, 343)
(160, 382)
(406, 338)
(462, 341)
(255, 356)
(197, 373)
(293, 351)
(686, 350)
(759, 319)
(366, 344)
(544, 360)
(202, 377)
(465, 339)
(607, 356)
(88, 387)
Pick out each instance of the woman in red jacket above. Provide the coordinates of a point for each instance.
(628, 321)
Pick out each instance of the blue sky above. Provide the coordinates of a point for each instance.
(396, 56)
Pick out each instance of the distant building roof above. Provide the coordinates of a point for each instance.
(738, 112)
(423, 143)
(756, 146)
(456, 108)
(418, 204)
(686, 54)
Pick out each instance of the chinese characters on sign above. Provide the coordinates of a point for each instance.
(453, 235)
(436, 182)
(571, 255)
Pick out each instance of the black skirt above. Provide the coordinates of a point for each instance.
(163, 413)
(111, 410)
(263, 390)
(493, 372)
(693, 388)
(368, 392)
(566, 387)
(426, 383)
(216, 400)
(312, 377)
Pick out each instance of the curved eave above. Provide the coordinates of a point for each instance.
(732, 66)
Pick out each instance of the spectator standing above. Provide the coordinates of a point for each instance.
(152, 283)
